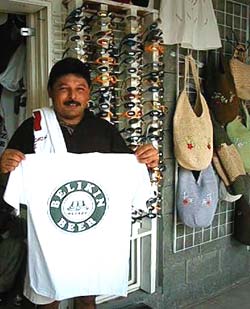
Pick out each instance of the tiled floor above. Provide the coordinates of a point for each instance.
(237, 297)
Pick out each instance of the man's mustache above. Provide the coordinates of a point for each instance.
(72, 102)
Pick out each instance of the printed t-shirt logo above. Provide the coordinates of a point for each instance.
(77, 206)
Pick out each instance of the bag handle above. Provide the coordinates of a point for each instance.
(247, 115)
(240, 53)
(190, 60)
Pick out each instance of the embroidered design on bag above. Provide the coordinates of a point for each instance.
(238, 142)
(219, 98)
(186, 200)
(207, 201)
(190, 144)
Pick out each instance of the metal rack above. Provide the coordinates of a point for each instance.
(232, 17)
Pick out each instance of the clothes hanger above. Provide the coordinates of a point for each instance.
(181, 56)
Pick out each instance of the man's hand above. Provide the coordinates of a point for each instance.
(147, 154)
(10, 159)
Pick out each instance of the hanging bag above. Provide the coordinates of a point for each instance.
(227, 161)
(197, 199)
(242, 216)
(241, 72)
(238, 131)
(220, 90)
(193, 134)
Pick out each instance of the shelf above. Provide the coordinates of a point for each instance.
(122, 7)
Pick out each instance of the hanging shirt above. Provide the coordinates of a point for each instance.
(79, 220)
(191, 23)
(13, 90)
(3, 135)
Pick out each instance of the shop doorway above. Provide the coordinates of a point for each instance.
(25, 34)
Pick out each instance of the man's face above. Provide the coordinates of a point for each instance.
(70, 95)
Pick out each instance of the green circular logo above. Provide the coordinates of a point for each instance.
(77, 206)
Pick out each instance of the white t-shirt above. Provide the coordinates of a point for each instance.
(191, 23)
(79, 220)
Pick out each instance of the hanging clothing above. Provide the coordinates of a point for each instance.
(86, 211)
(9, 39)
(13, 97)
(191, 23)
(3, 135)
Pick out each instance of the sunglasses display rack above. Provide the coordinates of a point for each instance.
(124, 48)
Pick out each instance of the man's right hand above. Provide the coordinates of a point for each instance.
(10, 159)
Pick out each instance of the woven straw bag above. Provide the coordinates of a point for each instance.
(241, 72)
(231, 161)
(239, 134)
(192, 133)
(227, 155)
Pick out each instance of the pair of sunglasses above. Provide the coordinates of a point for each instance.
(135, 139)
(130, 52)
(154, 47)
(154, 113)
(130, 60)
(105, 78)
(130, 130)
(131, 96)
(154, 65)
(131, 43)
(128, 70)
(154, 89)
(154, 25)
(105, 60)
(80, 52)
(104, 106)
(132, 104)
(154, 35)
(130, 114)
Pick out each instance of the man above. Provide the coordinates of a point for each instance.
(69, 88)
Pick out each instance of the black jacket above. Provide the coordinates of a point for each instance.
(92, 134)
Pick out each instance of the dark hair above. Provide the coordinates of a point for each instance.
(69, 66)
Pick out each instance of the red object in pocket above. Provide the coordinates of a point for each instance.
(37, 120)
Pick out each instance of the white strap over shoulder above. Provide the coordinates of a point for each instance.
(47, 132)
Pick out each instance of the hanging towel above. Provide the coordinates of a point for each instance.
(47, 132)
(191, 23)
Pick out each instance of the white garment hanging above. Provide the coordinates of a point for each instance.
(10, 79)
(191, 23)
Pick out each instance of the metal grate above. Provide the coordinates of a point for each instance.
(233, 22)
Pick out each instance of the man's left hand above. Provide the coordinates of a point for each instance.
(148, 154)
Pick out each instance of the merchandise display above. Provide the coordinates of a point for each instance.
(125, 56)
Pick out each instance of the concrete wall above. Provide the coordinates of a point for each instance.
(195, 274)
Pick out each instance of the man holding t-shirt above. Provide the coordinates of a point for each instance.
(69, 88)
